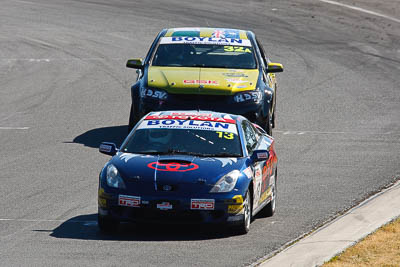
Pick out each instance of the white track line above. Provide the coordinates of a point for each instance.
(60, 59)
(14, 128)
(361, 10)
(44, 220)
(293, 132)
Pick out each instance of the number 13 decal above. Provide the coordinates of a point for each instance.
(225, 135)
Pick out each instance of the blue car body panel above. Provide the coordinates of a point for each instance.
(168, 186)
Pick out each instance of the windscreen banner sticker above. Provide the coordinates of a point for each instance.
(205, 40)
(129, 201)
(188, 116)
(189, 124)
(202, 204)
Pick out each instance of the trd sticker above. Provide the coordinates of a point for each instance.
(164, 206)
(202, 204)
(129, 201)
(173, 166)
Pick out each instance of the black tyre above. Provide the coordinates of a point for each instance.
(270, 208)
(273, 120)
(244, 226)
(268, 124)
(133, 118)
(106, 224)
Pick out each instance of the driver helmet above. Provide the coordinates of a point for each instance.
(161, 136)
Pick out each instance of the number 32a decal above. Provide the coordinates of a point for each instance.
(236, 49)
(225, 135)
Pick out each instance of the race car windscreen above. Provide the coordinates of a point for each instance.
(192, 54)
(190, 137)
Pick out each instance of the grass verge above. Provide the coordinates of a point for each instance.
(381, 248)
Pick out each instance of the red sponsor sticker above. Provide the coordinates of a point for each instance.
(202, 204)
(129, 201)
(173, 166)
(202, 82)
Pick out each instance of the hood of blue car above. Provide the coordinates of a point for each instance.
(175, 169)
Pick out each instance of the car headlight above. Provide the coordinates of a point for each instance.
(113, 178)
(226, 183)
(253, 96)
(153, 93)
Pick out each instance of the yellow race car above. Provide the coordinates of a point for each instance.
(223, 70)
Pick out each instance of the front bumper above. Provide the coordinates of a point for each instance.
(172, 209)
(219, 103)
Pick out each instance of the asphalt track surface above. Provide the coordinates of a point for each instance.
(64, 89)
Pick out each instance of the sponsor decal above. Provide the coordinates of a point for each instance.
(173, 166)
(202, 204)
(195, 117)
(188, 124)
(105, 148)
(239, 49)
(263, 155)
(218, 34)
(205, 40)
(129, 201)
(192, 114)
(248, 172)
(263, 197)
(202, 82)
(241, 97)
(236, 81)
(145, 202)
(153, 93)
(226, 33)
(235, 75)
(235, 208)
(164, 206)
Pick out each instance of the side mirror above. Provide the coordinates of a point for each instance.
(135, 63)
(259, 155)
(274, 67)
(108, 148)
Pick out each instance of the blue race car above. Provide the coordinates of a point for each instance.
(189, 167)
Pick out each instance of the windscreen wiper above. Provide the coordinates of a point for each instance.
(224, 154)
(181, 152)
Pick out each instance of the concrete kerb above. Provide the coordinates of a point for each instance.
(329, 240)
